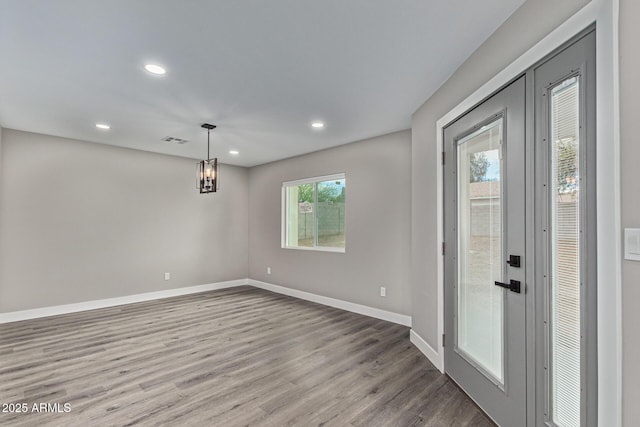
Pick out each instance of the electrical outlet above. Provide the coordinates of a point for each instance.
(167, 276)
(383, 291)
(268, 270)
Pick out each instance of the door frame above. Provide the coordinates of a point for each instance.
(604, 13)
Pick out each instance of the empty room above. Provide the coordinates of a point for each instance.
(319, 213)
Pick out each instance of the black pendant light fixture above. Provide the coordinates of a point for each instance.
(207, 181)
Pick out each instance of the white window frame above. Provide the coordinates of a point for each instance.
(285, 211)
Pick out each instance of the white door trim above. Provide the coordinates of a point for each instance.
(605, 14)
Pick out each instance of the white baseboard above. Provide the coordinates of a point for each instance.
(427, 350)
(336, 303)
(35, 313)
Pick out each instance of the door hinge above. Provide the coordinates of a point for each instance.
(443, 340)
(443, 248)
(443, 157)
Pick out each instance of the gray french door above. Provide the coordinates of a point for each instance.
(520, 234)
(485, 324)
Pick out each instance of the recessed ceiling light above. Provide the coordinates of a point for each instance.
(234, 152)
(155, 69)
(103, 126)
(317, 125)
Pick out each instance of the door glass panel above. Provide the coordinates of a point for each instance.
(565, 254)
(479, 308)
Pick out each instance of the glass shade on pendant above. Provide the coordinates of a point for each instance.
(207, 176)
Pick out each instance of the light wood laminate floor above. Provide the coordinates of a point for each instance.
(234, 357)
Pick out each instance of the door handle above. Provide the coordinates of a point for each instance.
(514, 261)
(513, 285)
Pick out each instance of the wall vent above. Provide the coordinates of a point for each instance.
(174, 140)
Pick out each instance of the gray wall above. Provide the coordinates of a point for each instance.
(630, 190)
(1, 181)
(529, 24)
(83, 221)
(378, 209)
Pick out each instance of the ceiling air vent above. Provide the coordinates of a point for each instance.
(174, 140)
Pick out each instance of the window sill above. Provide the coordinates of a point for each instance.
(316, 249)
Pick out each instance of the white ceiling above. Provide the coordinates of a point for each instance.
(260, 70)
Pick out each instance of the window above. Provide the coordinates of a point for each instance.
(480, 321)
(313, 213)
(565, 278)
